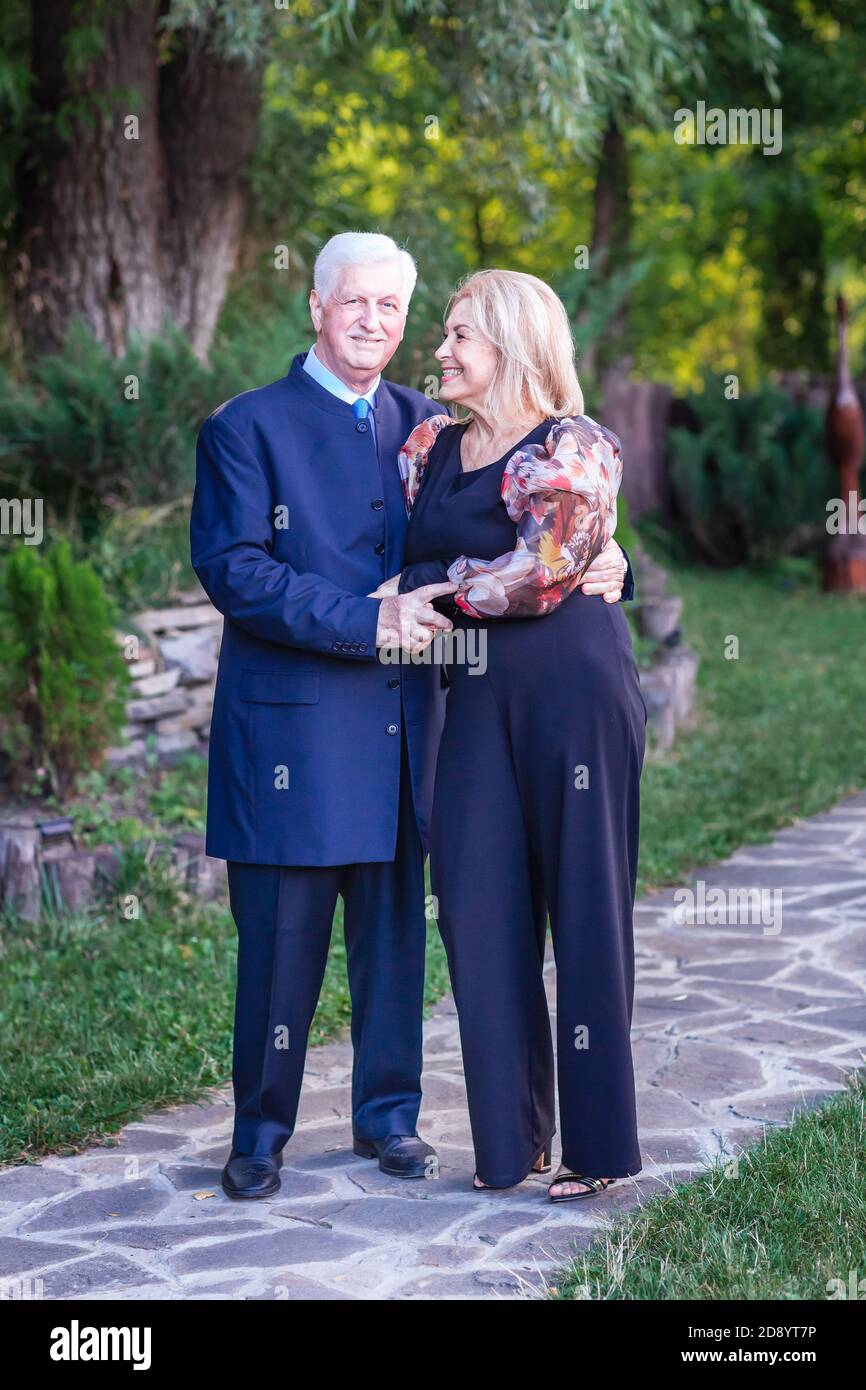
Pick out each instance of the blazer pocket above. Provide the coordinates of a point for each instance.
(278, 688)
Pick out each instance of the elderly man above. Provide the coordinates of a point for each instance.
(322, 755)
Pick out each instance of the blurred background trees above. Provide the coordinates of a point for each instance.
(171, 167)
(159, 152)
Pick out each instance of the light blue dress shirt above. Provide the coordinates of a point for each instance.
(325, 377)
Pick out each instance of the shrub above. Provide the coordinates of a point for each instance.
(750, 477)
(72, 437)
(87, 431)
(141, 554)
(116, 474)
(62, 676)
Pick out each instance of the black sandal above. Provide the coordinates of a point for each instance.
(595, 1185)
(546, 1165)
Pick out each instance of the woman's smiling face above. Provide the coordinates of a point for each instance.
(468, 359)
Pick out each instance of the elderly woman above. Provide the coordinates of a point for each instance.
(536, 805)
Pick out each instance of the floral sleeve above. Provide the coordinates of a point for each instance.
(412, 458)
(562, 495)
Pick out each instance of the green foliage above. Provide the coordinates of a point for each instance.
(625, 532)
(233, 29)
(778, 733)
(492, 185)
(566, 67)
(134, 807)
(62, 675)
(141, 553)
(255, 344)
(751, 481)
(106, 1018)
(110, 444)
(87, 429)
(781, 1221)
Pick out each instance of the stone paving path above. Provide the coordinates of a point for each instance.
(736, 1026)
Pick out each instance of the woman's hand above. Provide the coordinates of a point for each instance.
(606, 574)
(388, 589)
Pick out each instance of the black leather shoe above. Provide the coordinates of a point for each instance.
(252, 1175)
(399, 1155)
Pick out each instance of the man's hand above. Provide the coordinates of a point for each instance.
(388, 588)
(606, 574)
(410, 621)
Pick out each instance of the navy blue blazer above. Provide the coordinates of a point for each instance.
(296, 517)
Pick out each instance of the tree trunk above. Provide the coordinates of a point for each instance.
(610, 244)
(208, 119)
(122, 228)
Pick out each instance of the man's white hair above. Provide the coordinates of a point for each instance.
(360, 248)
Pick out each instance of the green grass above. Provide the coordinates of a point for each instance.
(779, 1221)
(780, 732)
(103, 1019)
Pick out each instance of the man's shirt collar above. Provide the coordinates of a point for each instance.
(325, 377)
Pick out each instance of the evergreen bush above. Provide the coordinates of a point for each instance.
(62, 674)
(750, 477)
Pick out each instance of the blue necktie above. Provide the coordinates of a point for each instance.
(365, 418)
(361, 410)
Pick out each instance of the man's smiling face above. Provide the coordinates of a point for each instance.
(360, 325)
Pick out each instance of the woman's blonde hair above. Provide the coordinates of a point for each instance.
(529, 328)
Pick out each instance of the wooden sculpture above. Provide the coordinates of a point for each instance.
(845, 552)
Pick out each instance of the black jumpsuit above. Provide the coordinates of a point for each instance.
(536, 811)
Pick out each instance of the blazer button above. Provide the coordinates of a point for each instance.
(362, 647)
(380, 548)
(393, 683)
(377, 505)
(392, 729)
